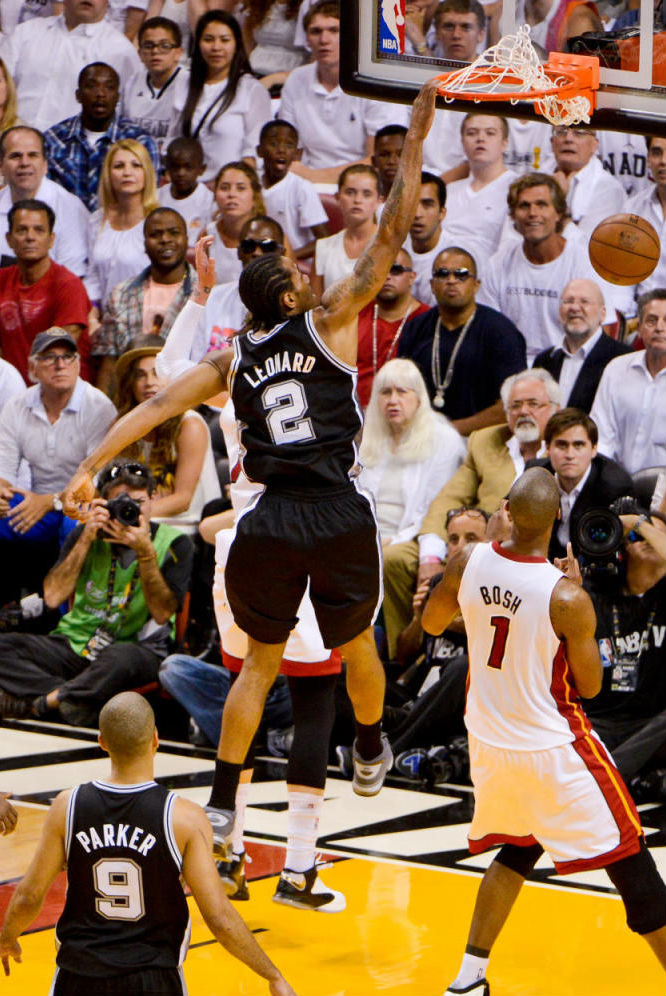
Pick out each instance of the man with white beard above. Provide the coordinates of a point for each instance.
(496, 456)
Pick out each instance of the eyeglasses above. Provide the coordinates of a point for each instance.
(51, 359)
(531, 404)
(398, 268)
(460, 273)
(265, 245)
(578, 132)
(163, 46)
(453, 513)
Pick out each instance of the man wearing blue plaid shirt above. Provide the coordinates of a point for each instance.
(76, 147)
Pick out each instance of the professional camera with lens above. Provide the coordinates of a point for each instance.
(124, 509)
(600, 538)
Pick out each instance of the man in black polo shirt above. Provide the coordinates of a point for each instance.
(464, 350)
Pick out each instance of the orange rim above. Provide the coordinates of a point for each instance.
(570, 75)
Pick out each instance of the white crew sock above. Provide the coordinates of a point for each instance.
(242, 793)
(472, 969)
(302, 829)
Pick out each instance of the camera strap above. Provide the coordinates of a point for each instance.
(103, 636)
(624, 676)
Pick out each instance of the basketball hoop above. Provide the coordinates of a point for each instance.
(561, 89)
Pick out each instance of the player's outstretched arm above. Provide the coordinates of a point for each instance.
(343, 300)
(195, 839)
(442, 606)
(189, 390)
(29, 894)
(574, 621)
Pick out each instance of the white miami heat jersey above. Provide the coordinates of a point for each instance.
(521, 694)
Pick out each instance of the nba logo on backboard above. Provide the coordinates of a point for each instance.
(392, 26)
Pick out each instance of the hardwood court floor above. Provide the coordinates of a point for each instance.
(401, 861)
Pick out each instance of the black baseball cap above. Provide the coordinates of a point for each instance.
(54, 335)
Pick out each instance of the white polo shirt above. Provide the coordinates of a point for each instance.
(629, 411)
(594, 195)
(295, 203)
(52, 451)
(475, 218)
(332, 126)
(45, 59)
(646, 203)
(72, 219)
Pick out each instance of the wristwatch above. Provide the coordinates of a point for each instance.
(57, 503)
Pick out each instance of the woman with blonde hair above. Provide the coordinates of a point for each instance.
(238, 198)
(127, 195)
(408, 451)
(8, 102)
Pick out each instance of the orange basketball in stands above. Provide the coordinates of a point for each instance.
(624, 249)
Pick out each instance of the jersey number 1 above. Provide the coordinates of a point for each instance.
(496, 656)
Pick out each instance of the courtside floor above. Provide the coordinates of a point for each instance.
(401, 861)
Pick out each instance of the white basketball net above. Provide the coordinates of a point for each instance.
(517, 69)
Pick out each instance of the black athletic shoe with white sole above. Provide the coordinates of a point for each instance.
(478, 988)
(306, 891)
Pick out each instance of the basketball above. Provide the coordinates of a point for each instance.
(624, 249)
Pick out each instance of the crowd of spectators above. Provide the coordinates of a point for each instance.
(493, 343)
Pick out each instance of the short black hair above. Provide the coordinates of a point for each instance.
(276, 123)
(184, 143)
(437, 182)
(97, 65)
(262, 219)
(22, 127)
(31, 204)
(261, 285)
(165, 210)
(568, 418)
(459, 251)
(390, 129)
(166, 24)
(131, 473)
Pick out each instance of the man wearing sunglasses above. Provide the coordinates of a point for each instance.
(464, 350)
(126, 578)
(48, 430)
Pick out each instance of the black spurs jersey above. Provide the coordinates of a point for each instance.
(296, 407)
(125, 908)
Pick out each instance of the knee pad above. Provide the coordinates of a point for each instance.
(519, 859)
(642, 890)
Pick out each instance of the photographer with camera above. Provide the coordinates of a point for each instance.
(127, 577)
(626, 578)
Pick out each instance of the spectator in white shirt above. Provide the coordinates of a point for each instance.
(625, 158)
(148, 97)
(529, 149)
(11, 383)
(476, 207)
(335, 256)
(650, 204)
(586, 350)
(23, 164)
(335, 129)
(460, 27)
(592, 193)
(238, 197)
(223, 105)
(290, 199)
(46, 55)
(427, 237)
(127, 16)
(187, 193)
(524, 280)
(631, 399)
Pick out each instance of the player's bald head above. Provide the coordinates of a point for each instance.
(533, 502)
(126, 725)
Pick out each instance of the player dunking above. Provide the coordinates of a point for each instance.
(538, 768)
(126, 841)
(293, 386)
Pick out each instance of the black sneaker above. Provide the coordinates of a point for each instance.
(409, 763)
(232, 874)
(305, 891)
(12, 707)
(222, 822)
(369, 775)
(478, 988)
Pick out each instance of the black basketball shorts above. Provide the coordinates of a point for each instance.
(287, 538)
(147, 982)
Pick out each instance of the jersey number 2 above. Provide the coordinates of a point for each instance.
(286, 405)
(120, 886)
(496, 656)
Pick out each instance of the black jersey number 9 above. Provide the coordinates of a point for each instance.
(286, 405)
(119, 884)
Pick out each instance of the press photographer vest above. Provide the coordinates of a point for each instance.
(96, 606)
